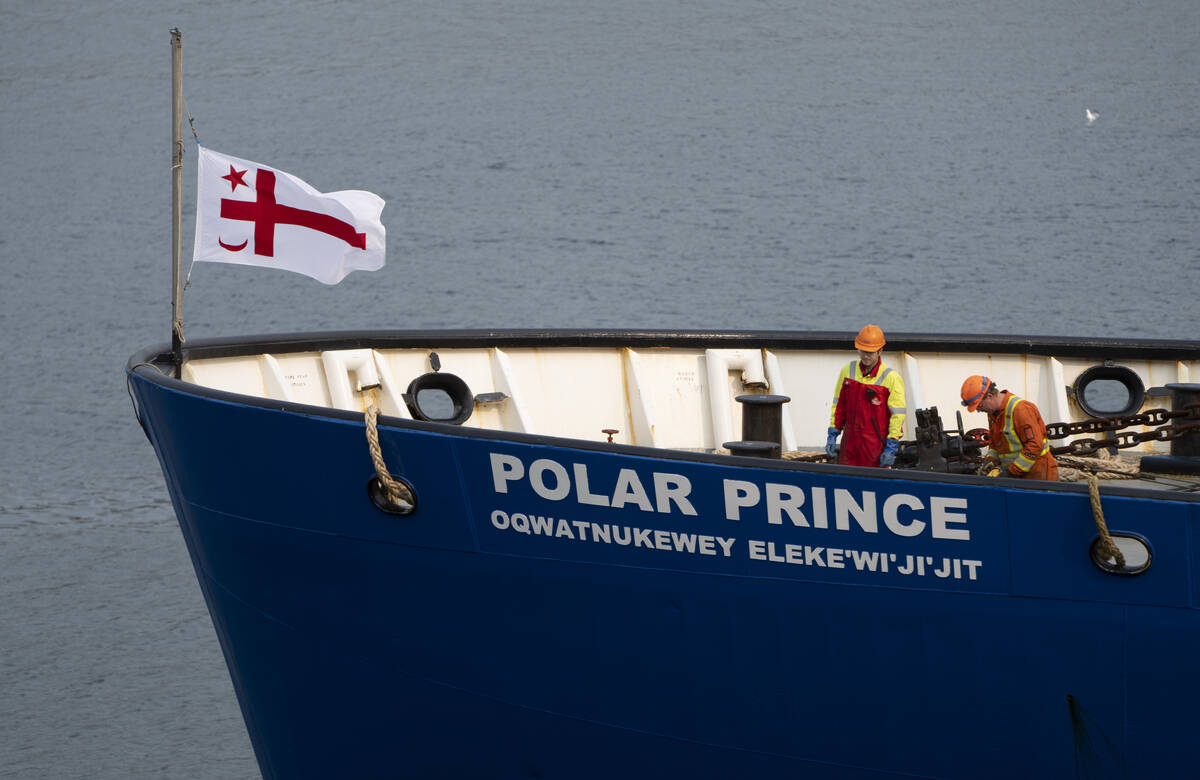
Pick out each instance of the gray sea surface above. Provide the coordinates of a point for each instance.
(753, 164)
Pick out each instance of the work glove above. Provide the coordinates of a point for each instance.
(831, 447)
(888, 456)
(990, 468)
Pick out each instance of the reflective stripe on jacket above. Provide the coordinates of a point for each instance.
(1018, 436)
(883, 376)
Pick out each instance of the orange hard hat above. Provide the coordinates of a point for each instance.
(870, 339)
(974, 389)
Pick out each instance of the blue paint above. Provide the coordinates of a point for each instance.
(448, 644)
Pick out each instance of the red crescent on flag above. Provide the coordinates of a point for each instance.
(233, 247)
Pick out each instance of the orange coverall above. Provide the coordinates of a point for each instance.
(1018, 440)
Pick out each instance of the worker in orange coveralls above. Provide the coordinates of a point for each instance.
(1018, 434)
(868, 407)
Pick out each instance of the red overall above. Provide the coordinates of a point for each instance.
(862, 416)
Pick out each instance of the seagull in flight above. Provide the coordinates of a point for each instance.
(1090, 115)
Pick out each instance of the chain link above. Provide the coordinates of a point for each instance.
(1151, 418)
(1125, 439)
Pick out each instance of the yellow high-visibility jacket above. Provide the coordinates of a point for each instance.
(884, 377)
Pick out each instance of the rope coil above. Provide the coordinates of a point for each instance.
(1073, 468)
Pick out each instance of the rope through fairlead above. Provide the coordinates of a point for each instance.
(396, 491)
(1108, 546)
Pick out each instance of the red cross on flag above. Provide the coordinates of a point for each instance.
(251, 214)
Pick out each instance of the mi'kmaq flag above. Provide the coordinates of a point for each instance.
(252, 214)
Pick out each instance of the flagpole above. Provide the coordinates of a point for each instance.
(177, 200)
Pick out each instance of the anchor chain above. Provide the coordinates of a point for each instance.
(1152, 418)
(1123, 440)
(1149, 418)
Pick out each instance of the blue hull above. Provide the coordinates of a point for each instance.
(566, 610)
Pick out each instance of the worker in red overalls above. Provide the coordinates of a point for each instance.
(868, 406)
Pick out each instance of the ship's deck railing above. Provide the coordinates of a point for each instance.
(680, 398)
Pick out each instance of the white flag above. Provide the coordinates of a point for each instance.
(252, 214)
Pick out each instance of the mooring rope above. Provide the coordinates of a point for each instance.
(1107, 546)
(396, 491)
(1074, 468)
(804, 455)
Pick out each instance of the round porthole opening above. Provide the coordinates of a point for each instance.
(1109, 391)
(438, 397)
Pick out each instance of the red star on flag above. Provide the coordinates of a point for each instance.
(235, 178)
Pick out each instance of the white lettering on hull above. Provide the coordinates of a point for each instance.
(902, 514)
(611, 533)
(858, 512)
(863, 561)
(550, 480)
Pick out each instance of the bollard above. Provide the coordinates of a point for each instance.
(762, 419)
(753, 449)
(1184, 394)
(1185, 451)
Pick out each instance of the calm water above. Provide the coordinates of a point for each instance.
(923, 164)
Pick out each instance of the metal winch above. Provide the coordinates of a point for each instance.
(937, 450)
